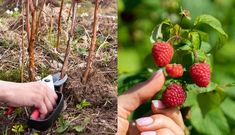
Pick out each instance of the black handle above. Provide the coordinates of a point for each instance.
(43, 125)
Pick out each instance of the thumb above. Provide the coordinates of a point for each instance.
(133, 98)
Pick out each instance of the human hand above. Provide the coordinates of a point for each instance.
(36, 94)
(164, 121)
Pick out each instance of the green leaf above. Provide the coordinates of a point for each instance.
(177, 29)
(195, 38)
(216, 25)
(206, 47)
(211, 21)
(201, 55)
(213, 123)
(208, 101)
(35, 133)
(203, 35)
(79, 128)
(191, 98)
(183, 56)
(83, 104)
(63, 127)
(14, 130)
(228, 107)
(157, 33)
(193, 87)
(185, 48)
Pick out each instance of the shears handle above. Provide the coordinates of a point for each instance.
(35, 114)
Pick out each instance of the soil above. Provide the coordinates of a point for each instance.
(100, 90)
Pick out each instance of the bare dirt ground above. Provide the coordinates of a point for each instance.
(100, 91)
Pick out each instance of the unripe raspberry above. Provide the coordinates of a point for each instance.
(162, 53)
(174, 70)
(174, 95)
(200, 74)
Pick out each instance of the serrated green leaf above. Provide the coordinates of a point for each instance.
(157, 33)
(228, 107)
(196, 40)
(216, 25)
(208, 101)
(211, 21)
(213, 123)
(193, 87)
(191, 98)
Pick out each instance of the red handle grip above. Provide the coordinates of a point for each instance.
(35, 114)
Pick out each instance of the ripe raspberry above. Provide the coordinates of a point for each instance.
(162, 53)
(174, 70)
(174, 95)
(200, 74)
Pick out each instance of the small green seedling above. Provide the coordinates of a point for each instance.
(63, 125)
(17, 129)
(83, 104)
(82, 127)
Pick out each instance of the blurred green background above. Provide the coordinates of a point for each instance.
(137, 18)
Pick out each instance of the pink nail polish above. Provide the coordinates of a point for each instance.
(158, 104)
(157, 74)
(144, 121)
(148, 133)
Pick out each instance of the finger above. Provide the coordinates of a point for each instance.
(49, 104)
(156, 122)
(173, 113)
(52, 97)
(43, 110)
(122, 128)
(132, 99)
(50, 92)
(163, 131)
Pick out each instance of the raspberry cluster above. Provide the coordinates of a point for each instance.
(175, 94)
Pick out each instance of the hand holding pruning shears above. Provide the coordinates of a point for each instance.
(36, 94)
(39, 94)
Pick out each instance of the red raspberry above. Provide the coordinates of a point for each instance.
(174, 70)
(200, 74)
(162, 53)
(174, 95)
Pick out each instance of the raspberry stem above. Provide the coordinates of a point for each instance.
(173, 37)
(195, 55)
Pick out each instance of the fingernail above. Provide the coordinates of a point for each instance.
(157, 74)
(149, 133)
(144, 121)
(158, 104)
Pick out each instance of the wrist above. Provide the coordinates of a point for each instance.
(5, 91)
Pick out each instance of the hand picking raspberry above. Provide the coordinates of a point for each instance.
(163, 120)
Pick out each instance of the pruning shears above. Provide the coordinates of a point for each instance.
(54, 82)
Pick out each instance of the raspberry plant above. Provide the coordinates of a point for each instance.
(194, 47)
(185, 47)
